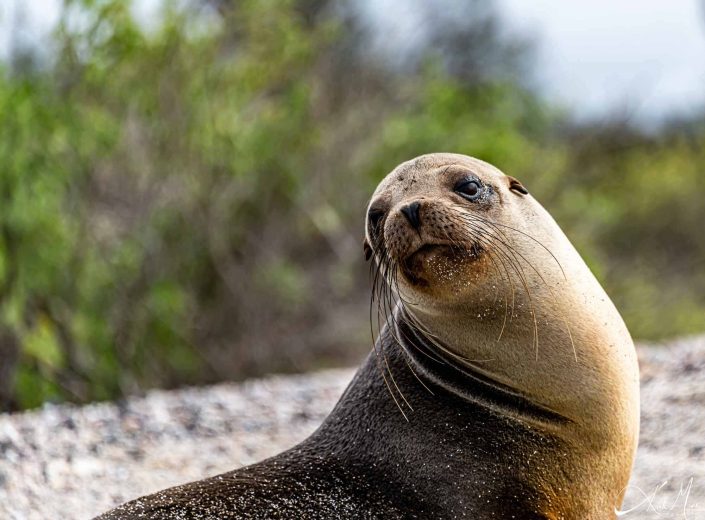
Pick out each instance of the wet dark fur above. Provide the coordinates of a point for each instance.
(455, 457)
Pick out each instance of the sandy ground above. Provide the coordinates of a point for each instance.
(75, 462)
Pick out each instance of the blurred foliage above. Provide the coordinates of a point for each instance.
(184, 204)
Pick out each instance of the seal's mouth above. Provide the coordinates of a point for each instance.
(414, 265)
(425, 252)
(419, 262)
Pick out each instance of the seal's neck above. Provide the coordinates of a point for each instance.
(466, 381)
(566, 350)
(438, 440)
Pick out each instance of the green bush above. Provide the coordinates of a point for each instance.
(185, 204)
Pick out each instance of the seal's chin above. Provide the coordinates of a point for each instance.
(430, 261)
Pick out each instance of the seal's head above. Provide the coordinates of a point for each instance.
(434, 223)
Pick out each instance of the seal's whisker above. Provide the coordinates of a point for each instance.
(392, 299)
(511, 259)
(510, 255)
(402, 304)
(394, 287)
(487, 241)
(417, 326)
(433, 340)
(379, 289)
(555, 301)
(456, 244)
(541, 244)
(474, 235)
(389, 304)
(556, 305)
(491, 255)
(387, 294)
(548, 286)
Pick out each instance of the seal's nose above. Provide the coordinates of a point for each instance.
(412, 214)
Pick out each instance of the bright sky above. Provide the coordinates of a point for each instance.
(646, 57)
(41, 16)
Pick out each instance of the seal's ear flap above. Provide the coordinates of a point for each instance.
(517, 186)
(367, 249)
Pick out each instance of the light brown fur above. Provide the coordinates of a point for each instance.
(533, 317)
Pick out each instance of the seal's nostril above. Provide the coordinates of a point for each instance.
(412, 214)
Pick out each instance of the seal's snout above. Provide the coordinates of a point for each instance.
(412, 212)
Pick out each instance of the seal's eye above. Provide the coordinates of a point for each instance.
(374, 217)
(469, 189)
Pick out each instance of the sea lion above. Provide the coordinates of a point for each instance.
(503, 384)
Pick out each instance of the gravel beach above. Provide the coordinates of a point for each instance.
(64, 462)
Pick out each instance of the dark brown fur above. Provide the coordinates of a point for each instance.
(449, 460)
